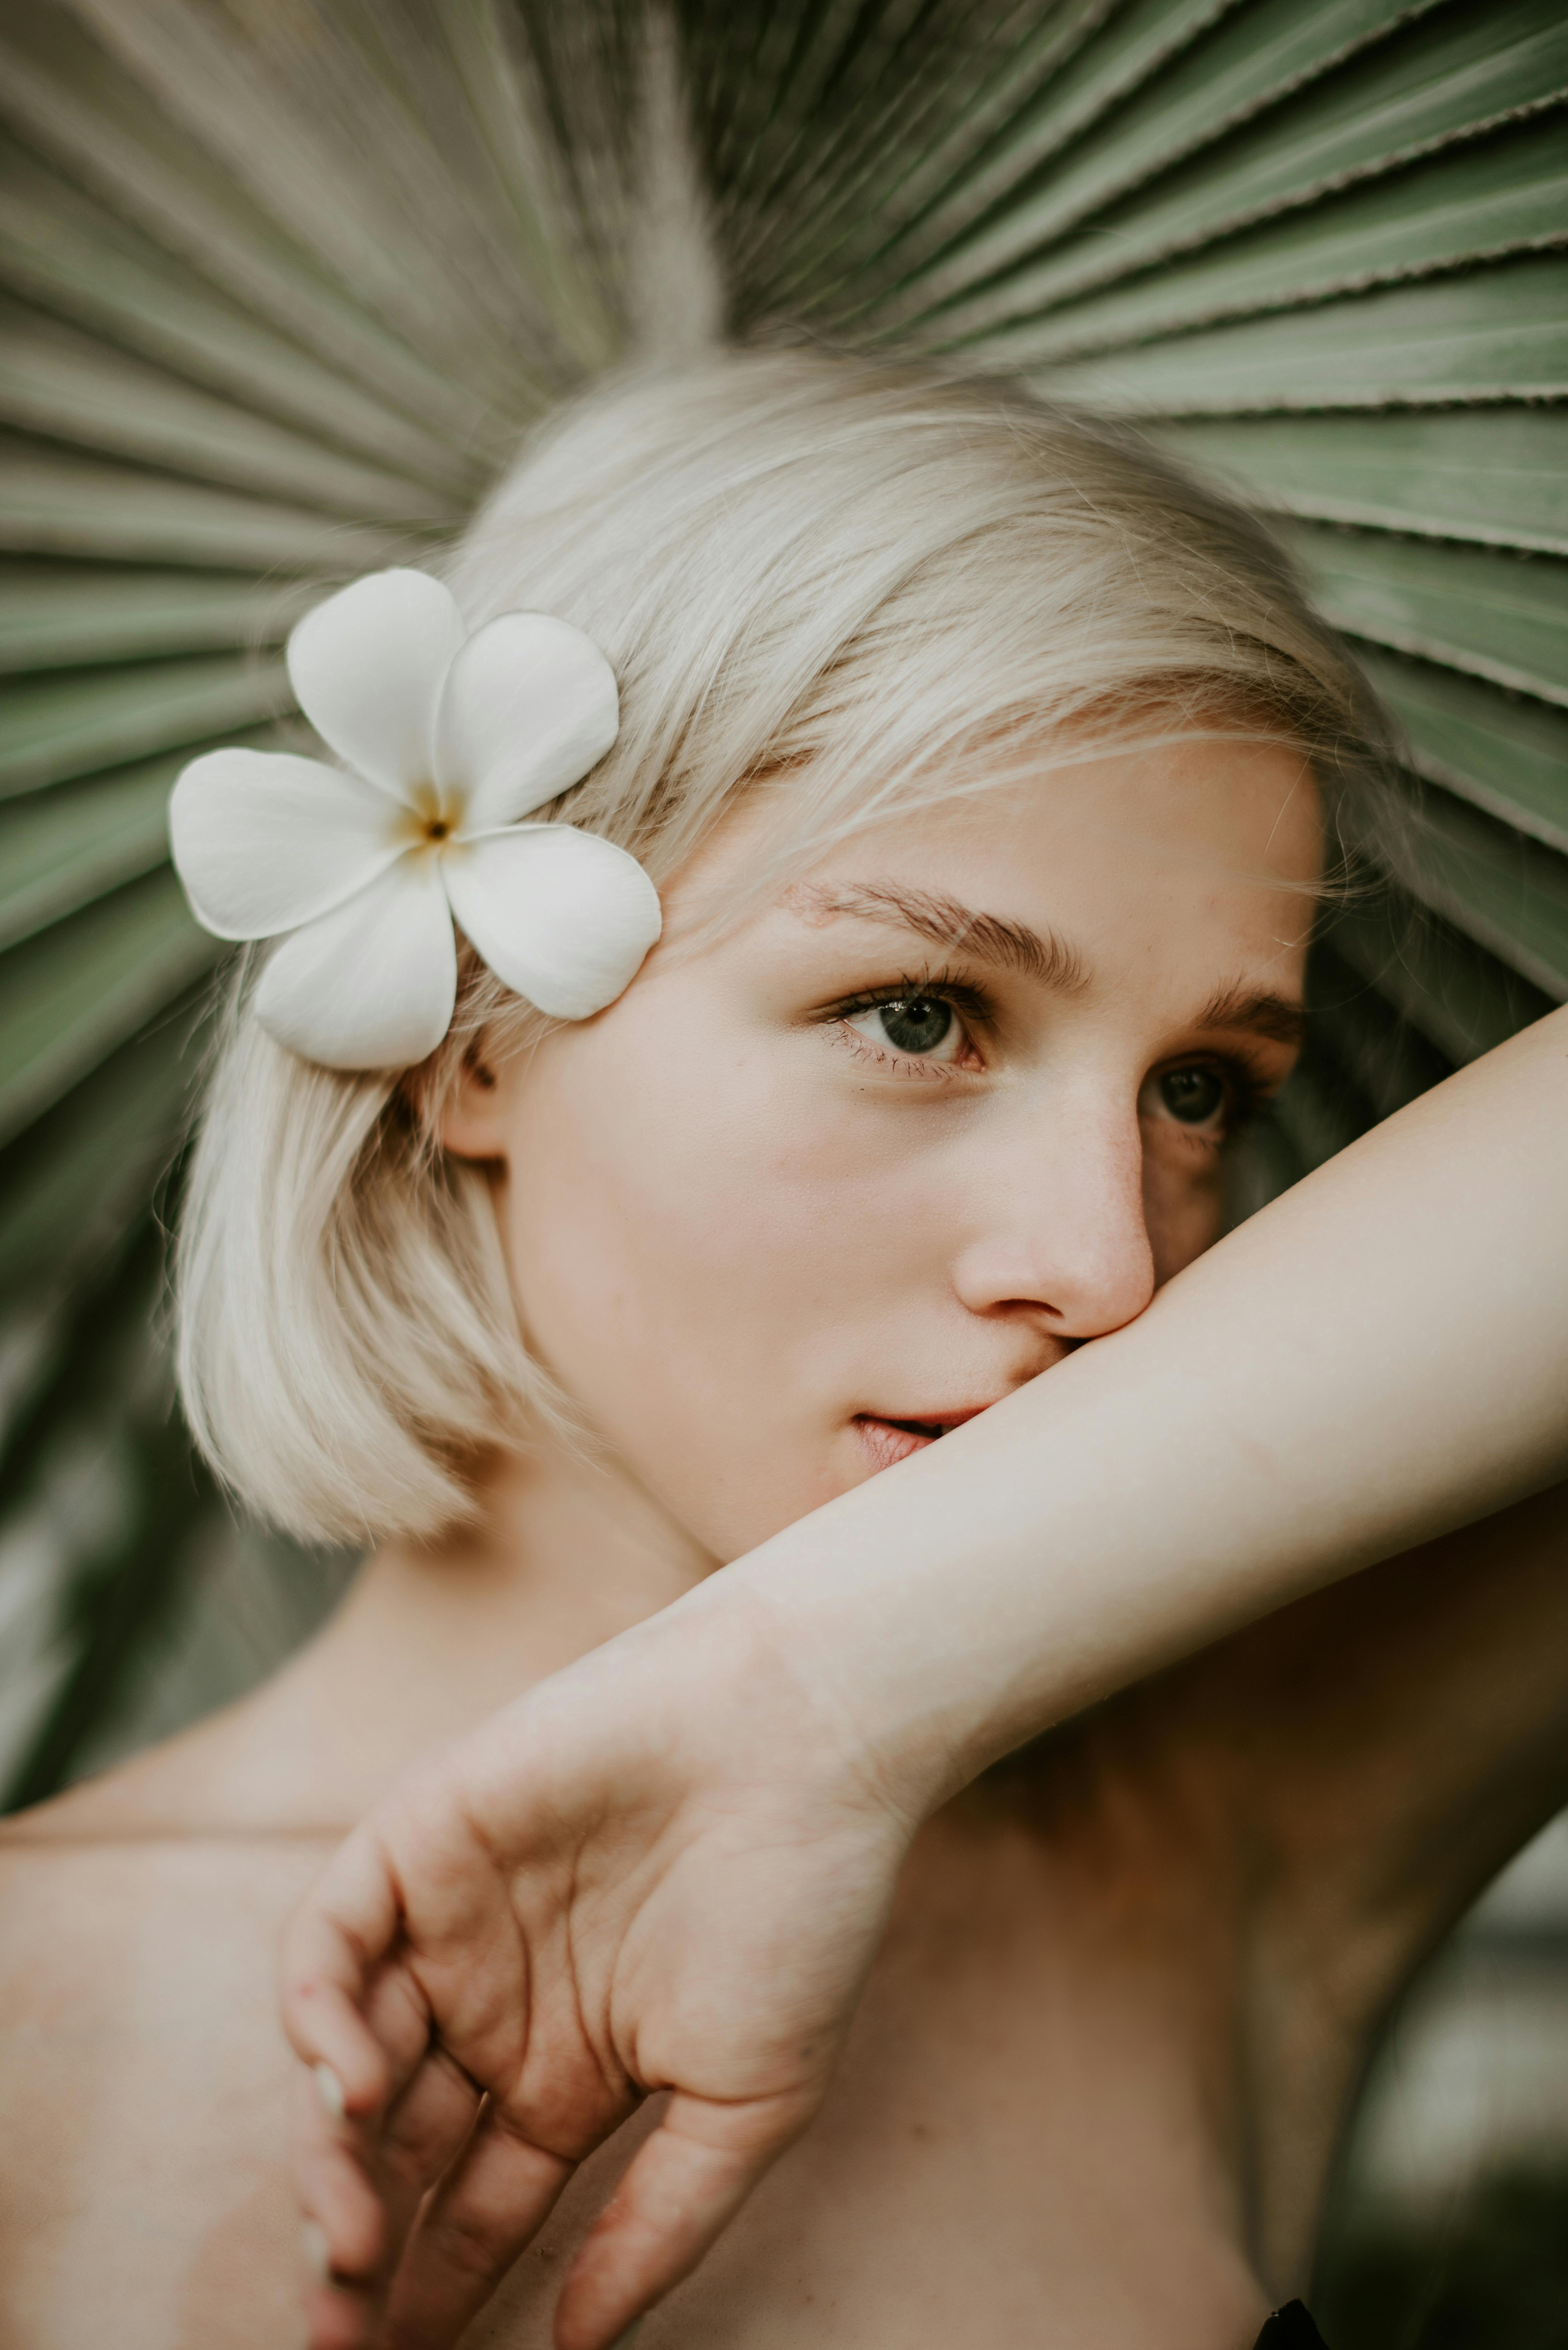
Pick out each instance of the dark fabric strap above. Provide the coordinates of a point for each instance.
(1291, 2329)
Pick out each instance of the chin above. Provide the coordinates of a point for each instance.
(730, 1493)
(734, 1515)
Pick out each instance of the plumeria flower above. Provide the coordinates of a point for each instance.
(446, 740)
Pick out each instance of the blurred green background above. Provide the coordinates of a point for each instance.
(281, 281)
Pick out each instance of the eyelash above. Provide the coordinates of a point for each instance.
(971, 1005)
(1248, 1091)
(1249, 1088)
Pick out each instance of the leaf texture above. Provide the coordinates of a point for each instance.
(280, 287)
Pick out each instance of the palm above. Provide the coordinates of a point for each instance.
(560, 1921)
(289, 281)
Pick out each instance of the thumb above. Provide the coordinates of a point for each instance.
(683, 2187)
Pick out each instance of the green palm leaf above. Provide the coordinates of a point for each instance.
(279, 288)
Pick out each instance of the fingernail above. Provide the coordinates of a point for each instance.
(331, 2091)
(318, 2251)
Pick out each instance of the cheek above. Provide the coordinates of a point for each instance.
(699, 1243)
(635, 1190)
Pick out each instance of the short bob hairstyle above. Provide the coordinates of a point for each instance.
(846, 584)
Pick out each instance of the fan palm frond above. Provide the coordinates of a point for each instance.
(280, 285)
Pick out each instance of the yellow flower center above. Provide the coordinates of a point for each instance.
(430, 820)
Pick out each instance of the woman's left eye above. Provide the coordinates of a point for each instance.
(923, 1027)
(1196, 1096)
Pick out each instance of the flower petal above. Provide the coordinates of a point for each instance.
(367, 666)
(264, 841)
(529, 706)
(560, 915)
(372, 984)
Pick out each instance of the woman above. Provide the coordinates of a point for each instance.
(984, 772)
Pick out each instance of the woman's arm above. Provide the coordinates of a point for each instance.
(668, 1866)
(1377, 1357)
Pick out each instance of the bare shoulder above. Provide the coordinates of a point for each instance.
(144, 2198)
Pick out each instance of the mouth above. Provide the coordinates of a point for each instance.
(887, 1441)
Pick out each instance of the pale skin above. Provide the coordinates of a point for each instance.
(1059, 2059)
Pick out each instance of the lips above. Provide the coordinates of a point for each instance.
(887, 1441)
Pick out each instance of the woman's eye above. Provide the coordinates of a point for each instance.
(923, 1027)
(1194, 1096)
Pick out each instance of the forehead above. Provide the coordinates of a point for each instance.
(1220, 810)
(1186, 868)
(1200, 837)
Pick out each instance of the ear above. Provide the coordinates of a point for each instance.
(475, 1120)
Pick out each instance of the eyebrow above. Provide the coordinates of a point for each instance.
(948, 923)
(1266, 1014)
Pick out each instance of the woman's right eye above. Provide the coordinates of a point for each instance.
(923, 1027)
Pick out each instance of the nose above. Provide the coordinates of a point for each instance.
(1058, 1236)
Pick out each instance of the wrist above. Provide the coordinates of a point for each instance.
(789, 1697)
(824, 1688)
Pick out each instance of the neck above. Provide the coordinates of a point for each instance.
(562, 1554)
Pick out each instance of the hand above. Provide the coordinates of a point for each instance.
(664, 1868)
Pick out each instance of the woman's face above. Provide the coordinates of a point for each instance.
(815, 1191)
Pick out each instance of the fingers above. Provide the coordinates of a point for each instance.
(424, 2132)
(332, 1950)
(358, 2174)
(371, 2133)
(336, 2193)
(494, 2200)
(355, 2246)
(682, 2189)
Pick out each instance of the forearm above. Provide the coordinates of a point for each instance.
(1379, 1356)
(670, 1864)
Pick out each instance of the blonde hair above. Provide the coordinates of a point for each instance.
(846, 583)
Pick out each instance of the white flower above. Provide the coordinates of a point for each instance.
(449, 741)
